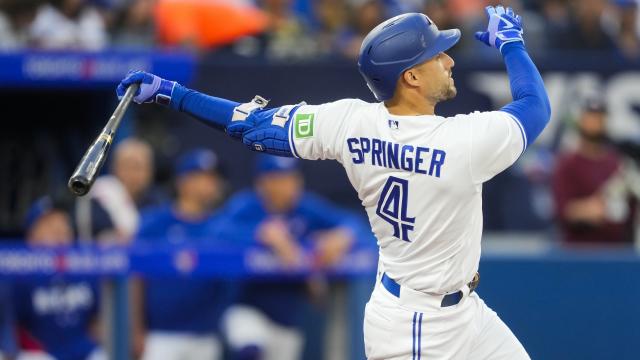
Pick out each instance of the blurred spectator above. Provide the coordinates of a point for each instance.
(49, 224)
(397, 7)
(207, 23)
(16, 17)
(133, 165)
(181, 314)
(439, 13)
(585, 212)
(109, 213)
(585, 30)
(628, 39)
(69, 24)
(134, 24)
(8, 344)
(288, 36)
(278, 215)
(365, 15)
(535, 36)
(331, 17)
(556, 13)
(56, 316)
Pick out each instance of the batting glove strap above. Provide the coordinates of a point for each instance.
(164, 92)
(504, 27)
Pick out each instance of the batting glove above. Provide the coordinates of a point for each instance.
(504, 27)
(153, 89)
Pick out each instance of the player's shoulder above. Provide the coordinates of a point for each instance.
(483, 121)
(350, 102)
(479, 115)
(347, 105)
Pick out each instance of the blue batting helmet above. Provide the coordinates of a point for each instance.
(397, 45)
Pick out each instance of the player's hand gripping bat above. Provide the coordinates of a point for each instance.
(85, 174)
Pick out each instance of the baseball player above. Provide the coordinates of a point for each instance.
(182, 313)
(56, 317)
(280, 216)
(419, 176)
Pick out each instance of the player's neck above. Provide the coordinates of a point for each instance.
(409, 106)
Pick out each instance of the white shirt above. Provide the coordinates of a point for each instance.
(419, 179)
(53, 30)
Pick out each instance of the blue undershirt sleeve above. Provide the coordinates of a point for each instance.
(530, 105)
(261, 129)
(210, 110)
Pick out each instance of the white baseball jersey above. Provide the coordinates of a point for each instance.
(419, 179)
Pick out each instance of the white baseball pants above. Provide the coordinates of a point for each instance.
(246, 326)
(410, 328)
(181, 346)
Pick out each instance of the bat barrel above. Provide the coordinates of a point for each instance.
(85, 174)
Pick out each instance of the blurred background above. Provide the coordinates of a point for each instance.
(191, 247)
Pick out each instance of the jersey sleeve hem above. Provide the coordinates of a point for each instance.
(292, 143)
(522, 132)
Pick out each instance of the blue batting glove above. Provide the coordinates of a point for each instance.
(153, 89)
(504, 27)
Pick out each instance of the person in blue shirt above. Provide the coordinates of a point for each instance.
(8, 343)
(181, 313)
(297, 227)
(56, 317)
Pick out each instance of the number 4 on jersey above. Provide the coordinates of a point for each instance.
(392, 207)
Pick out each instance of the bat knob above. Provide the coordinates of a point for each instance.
(79, 186)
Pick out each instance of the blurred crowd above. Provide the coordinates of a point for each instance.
(301, 29)
(181, 318)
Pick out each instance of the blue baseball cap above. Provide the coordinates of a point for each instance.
(197, 160)
(43, 206)
(275, 164)
(37, 210)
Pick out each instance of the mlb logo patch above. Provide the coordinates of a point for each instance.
(393, 124)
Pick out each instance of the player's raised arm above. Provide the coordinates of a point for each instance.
(498, 138)
(530, 104)
(259, 128)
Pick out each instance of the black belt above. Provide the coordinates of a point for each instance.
(448, 300)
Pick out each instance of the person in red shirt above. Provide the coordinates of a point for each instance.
(585, 212)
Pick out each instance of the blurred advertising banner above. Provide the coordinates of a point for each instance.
(89, 69)
(19, 260)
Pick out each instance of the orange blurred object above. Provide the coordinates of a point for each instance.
(206, 23)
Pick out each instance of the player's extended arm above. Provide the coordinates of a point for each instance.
(530, 101)
(259, 128)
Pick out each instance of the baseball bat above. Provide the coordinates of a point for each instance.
(85, 174)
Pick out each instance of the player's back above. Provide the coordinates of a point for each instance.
(419, 179)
